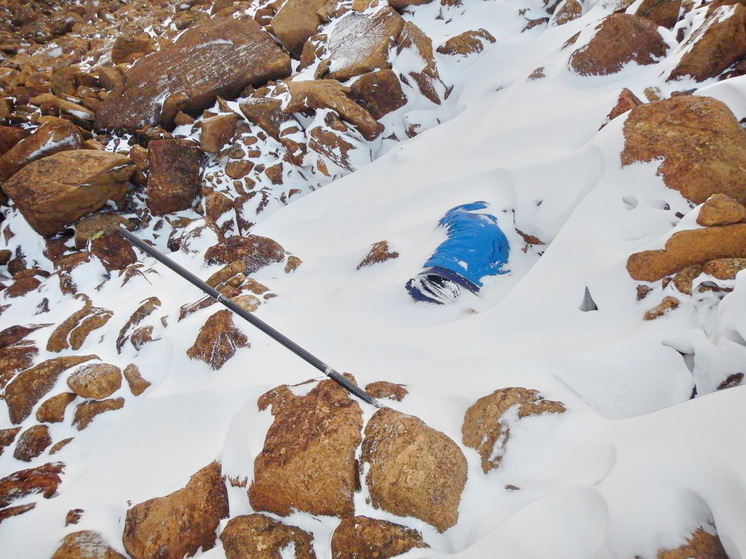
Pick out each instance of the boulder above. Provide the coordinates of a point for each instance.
(113, 251)
(619, 39)
(136, 382)
(254, 251)
(52, 410)
(724, 268)
(487, 428)
(625, 103)
(308, 459)
(218, 340)
(87, 411)
(126, 45)
(413, 470)
(295, 22)
(61, 188)
(32, 442)
(359, 537)
(70, 108)
(92, 226)
(684, 279)
(385, 389)
(181, 523)
(73, 331)
(466, 43)
(217, 58)
(720, 209)
(700, 544)
(175, 175)
(85, 544)
(95, 380)
(664, 13)
(702, 145)
(51, 137)
(715, 46)
(7, 437)
(335, 148)
(10, 136)
(686, 248)
(31, 385)
(42, 479)
(264, 110)
(217, 131)
(330, 94)
(427, 79)
(378, 92)
(255, 536)
(379, 252)
(566, 11)
(16, 352)
(146, 308)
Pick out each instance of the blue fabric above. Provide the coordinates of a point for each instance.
(476, 247)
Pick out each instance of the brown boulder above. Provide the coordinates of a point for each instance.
(702, 145)
(95, 380)
(218, 340)
(426, 79)
(724, 268)
(7, 437)
(181, 523)
(217, 58)
(720, 209)
(126, 45)
(31, 385)
(136, 382)
(308, 459)
(146, 308)
(413, 470)
(379, 252)
(254, 251)
(684, 279)
(378, 92)
(664, 13)
(51, 137)
(87, 411)
(43, 479)
(52, 410)
(486, 428)
(93, 225)
(566, 11)
(32, 442)
(57, 190)
(625, 103)
(73, 331)
(85, 544)
(466, 43)
(664, 307)
(9, 137)
(113, 251)
(719, 43)
(385, 389)
(16, 353)
(256, 536)
(295, 22)
(175, 175)
(330, 94)
(619, 39)
(266, 112)
(334, 147)
(686, 248)
(360, 537)
(700, 545)
(75, 112)
(217, 131)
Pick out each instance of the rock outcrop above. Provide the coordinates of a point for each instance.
(256, 536)
(179, 524)
(413, 470)
(308, 459)
(57, 190)
(174, 177)
(359, 537)
(702, 145)
(218, 58)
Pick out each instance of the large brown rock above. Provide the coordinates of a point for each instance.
(619, 39)
(427, 79)
(254, 251)
(218, 340)
(126, 45)
(486, 427)
(295, 22)
(724, 268)
(702, 145)
(31, 385)
(686, 248)
(217, 131)
(95, 380)
(308, 459)
(266, 112)
(86, 412)
(720, 209)
(181, 523)
(360, 537)
(61, 188)
(43, 479)
(217, 58)
(719, 43)
(378, 92)
(85, 544)
(466, 43)
(16, 353)
(414, 470)
(52, 410)
(32, 442)
(175, 175)
(664, 13)
(51, 137)
(256, 536)
(146, 308)
(72, 332)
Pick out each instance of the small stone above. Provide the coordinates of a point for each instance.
(218, 340)
(42, 479)
(360, 537)
(73, 516)
(684, 279)
(32, 442)
(668, 304)
(379, 252)
(87, 411)
(256, 536)
(136, 382)
(95, 380)
(53, 409)
(384, 389)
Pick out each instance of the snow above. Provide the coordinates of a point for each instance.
(633, 466)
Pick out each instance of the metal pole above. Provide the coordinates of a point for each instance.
(246, 315)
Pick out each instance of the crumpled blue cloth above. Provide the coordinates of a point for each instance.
(476, 247)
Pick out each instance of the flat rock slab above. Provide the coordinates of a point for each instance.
(217, 58)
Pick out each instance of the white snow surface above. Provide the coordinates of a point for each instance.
(634, 465)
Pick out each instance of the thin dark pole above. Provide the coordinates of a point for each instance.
(246, 315)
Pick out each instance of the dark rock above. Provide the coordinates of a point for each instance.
(179, 524)
(218, 340)
(724, 268)
(9, 137)
(308, 459)
(126, 45)
(665, 306)
(426, 79)
(57, 190)
(43, 479)
(94, 225)
(413, 470)
(566, 11)
(174, 177)
(664, 13)
(7, 437)
(466, 43)
(218, 58)
(95, 380)
(256, 536)
(113, 251)
(702, 145)
(254, 251)
(625, 102)
(379, 252)
(87, 411)
(378, 92)
(684, 279)
(360, 537)
(85, 544)
(266, 112)
(32, 442)
(619, 39)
